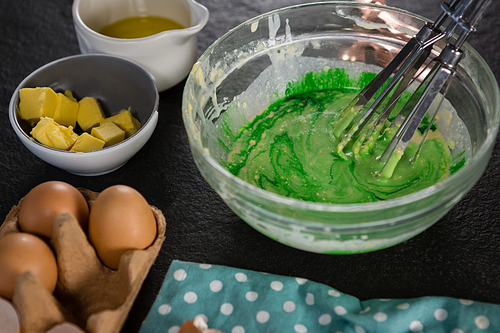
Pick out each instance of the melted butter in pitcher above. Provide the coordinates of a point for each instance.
(139, 27)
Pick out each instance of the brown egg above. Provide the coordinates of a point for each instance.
(21, 252)
(45, 201)
(120, 220)
(188, 327)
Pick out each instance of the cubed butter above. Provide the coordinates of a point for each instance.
(125, 121)
(35, 103)
(87, 142)
(66, 110)
(110, 133)
(69, 94)
(89, 114)
(51, 134)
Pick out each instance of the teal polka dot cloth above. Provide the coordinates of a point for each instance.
(240, 301)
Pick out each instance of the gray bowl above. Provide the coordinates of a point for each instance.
(117, 83)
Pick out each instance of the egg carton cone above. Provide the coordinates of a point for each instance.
(88, 294)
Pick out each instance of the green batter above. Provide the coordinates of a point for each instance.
(290, 149)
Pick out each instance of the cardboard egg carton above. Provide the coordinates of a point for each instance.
(88, 294)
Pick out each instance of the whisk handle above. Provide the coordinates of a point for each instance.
(467, 13)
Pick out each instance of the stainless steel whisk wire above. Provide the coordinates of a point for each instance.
(399, 74)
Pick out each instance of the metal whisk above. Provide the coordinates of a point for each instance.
(365, 122)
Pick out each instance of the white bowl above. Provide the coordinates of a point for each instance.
(168, 55)
(117, 84)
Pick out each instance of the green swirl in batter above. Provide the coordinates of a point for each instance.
(290, 150)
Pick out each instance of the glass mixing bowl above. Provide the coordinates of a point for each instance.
(248, 68)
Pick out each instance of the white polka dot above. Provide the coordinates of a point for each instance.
(205, 266)
(309, 299)
(325, 319)
(416, 326)
(301, 281)
(226, 309)
(365, 310)
(482, 322)
(240, 277)
(384, 299)
(190, 297)
(180, 274)
(359, 329)
(288, 306)
(403, 306)
(441, 314)
(465, 301)
(333, 293)
(251, 296)
(262, 317)
(238, 329)
(457, 330)
(276, 285)
(299, 328)
(380, 317)
(340, 310)
(164, 309)
(174, 329)
(215, 286)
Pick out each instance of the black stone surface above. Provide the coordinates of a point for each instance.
(459, 256)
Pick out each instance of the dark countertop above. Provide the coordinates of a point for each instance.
(458, 257)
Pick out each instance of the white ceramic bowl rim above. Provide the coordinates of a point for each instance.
(468, 168)
(192, 29)
(27, 139)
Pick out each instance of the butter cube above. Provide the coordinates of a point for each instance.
(51, 134)
(125, 121)
(110, 133)
(66, 110)
(87, 142)
(35, 103)
(69, 94)
(89, 114)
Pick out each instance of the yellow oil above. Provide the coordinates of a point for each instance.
(139, 26)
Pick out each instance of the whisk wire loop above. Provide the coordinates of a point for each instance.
(356, 119)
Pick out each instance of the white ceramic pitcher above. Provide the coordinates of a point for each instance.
(168, 56)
